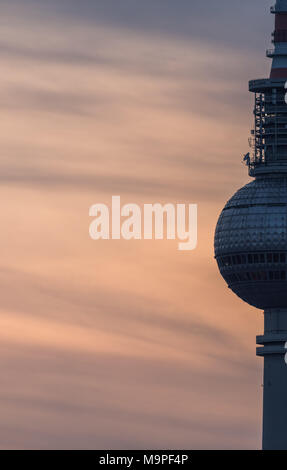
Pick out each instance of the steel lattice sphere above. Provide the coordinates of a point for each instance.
(251, 242)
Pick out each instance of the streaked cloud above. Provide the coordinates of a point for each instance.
(122, 344)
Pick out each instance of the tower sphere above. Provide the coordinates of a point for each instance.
(251, 242)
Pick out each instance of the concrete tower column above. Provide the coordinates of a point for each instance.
(275, 379)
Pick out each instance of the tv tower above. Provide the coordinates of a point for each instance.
(251, 233)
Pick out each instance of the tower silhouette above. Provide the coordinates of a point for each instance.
(251, 233)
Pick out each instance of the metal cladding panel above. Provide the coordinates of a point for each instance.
(255, 218)
(281, 5)
(267, 295)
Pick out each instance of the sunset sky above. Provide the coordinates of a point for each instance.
(124, 344)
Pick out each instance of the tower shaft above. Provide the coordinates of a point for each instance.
(275, 379)
(251, 233)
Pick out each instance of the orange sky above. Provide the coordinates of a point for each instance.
(117, 344)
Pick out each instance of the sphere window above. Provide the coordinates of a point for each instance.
(269, 257)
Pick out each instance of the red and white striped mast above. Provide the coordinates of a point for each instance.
(279, 53)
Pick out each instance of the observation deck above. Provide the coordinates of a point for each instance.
(269, 137)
